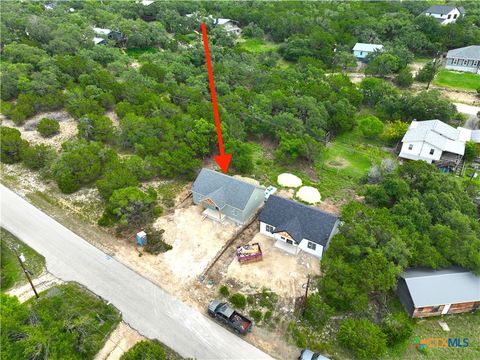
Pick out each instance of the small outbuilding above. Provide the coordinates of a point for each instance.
(362, 50)
(224, 196)
(426, 292)
(297, 227)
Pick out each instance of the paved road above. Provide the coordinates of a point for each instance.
(144, 306)
(471, 111)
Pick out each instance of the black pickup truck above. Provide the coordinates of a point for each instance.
(226, 314)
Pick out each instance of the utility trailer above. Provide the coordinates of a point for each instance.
(226, 314)
(249, 253)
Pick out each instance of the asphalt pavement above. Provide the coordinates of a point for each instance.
(144, 306)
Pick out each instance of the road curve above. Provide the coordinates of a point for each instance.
(144, 306)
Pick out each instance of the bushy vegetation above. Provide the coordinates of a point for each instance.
(67, 322)
(238, 300)
(149, 350)
(224, 291)
(48, 127)
(363, 338)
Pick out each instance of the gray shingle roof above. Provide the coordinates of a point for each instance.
(439, 9)
(437, 287)
(223, 189)
(468, 52)
(300, 221)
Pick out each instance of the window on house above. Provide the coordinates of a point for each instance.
(289, 241)
(455, 16)
(435, 308)
(465, 62)
(455, 62)
(449, 16)
(312, 245)
(432, 151)
(269, 228)
(361, 52)
(410, 147)
(475, 63)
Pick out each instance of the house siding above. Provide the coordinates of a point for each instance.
(473, 66)
(454, 15)
(453, 309)
(420, 151)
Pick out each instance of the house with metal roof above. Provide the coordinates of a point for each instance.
(464, 59)
(427, 292)
(224, 197)
(296, 227)
(445, 14)
(362, 50)
(435, 142)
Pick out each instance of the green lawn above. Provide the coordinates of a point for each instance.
(457, 80)
(461, 326)
(257, 46)
(11, 271)
(66, 322)
(137, 52)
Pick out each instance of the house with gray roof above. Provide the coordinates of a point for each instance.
(296, 227)
(445, 14)
(464, 59)
(224, 197)
(427, 292)
(362, 50)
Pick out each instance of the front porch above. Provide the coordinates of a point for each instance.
(214, 215)
(289, 248)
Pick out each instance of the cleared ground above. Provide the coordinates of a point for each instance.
(279, 271)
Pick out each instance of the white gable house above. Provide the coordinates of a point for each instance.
(296, 227)
(445, 14)
(434, 141)
(229, 25)
(362, 50)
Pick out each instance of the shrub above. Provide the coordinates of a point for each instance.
(404, 78)
(268, 299)
(370, 126)
(48, 127)
(363, 338)
(267, 316)
(397, 327)
(150, 349)
(471, 150)
(256, 315)
(155, 243)
(11, 145)
(394, 131)
(224, 291)
(38, 156)
(95, 128)
(238, 300)
(317, 312)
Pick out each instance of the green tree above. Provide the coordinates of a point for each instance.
(38, 156)
(427, 73)
(317, 312)
(12, 145)
(370, 126)
(395, 130)
(145, 350)
(94, 127)
(129, 206)
(48, 127)
(242, 156)
(364, 339)
(116, 177)
(383, 64)
(404, 79)
(471, 150)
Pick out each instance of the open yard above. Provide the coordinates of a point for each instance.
(11, 271)
(461, 326)
(459, 80)
(257, 46)
(282, 272)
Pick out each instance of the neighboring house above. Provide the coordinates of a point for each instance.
(99, 41)
(224, 197)
(297, 227)
(438, 292)
(147, 2)
(49, 6)
(445, 14)
(108, 34)
(362, 50)
(229, 25)
(464, 59)
(435, 142)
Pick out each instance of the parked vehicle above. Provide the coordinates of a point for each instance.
(249, 253)
(226, 314)
(310, 355)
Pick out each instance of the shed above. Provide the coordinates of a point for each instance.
(362, 50)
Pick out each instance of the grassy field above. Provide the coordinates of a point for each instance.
(257, 46)
(453, 79)
(461, 326)
(67, 322)
(11, 271)
(137, 52)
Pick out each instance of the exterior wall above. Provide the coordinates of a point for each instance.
(318, 248)
(263, 230)
(451, 17)
(232, 28)
(453, 309)
(420, 151)
(361, 54)
(458, 64)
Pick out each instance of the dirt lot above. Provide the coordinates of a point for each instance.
(120, 341)
(281, 272)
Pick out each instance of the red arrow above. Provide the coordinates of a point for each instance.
(223, 160)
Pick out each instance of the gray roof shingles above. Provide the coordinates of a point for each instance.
(223, 189)
(300, 221)
(467, 52)
(439, 9)
(438, 287)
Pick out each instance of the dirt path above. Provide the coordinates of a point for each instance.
(121, 339)
(41, 283)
